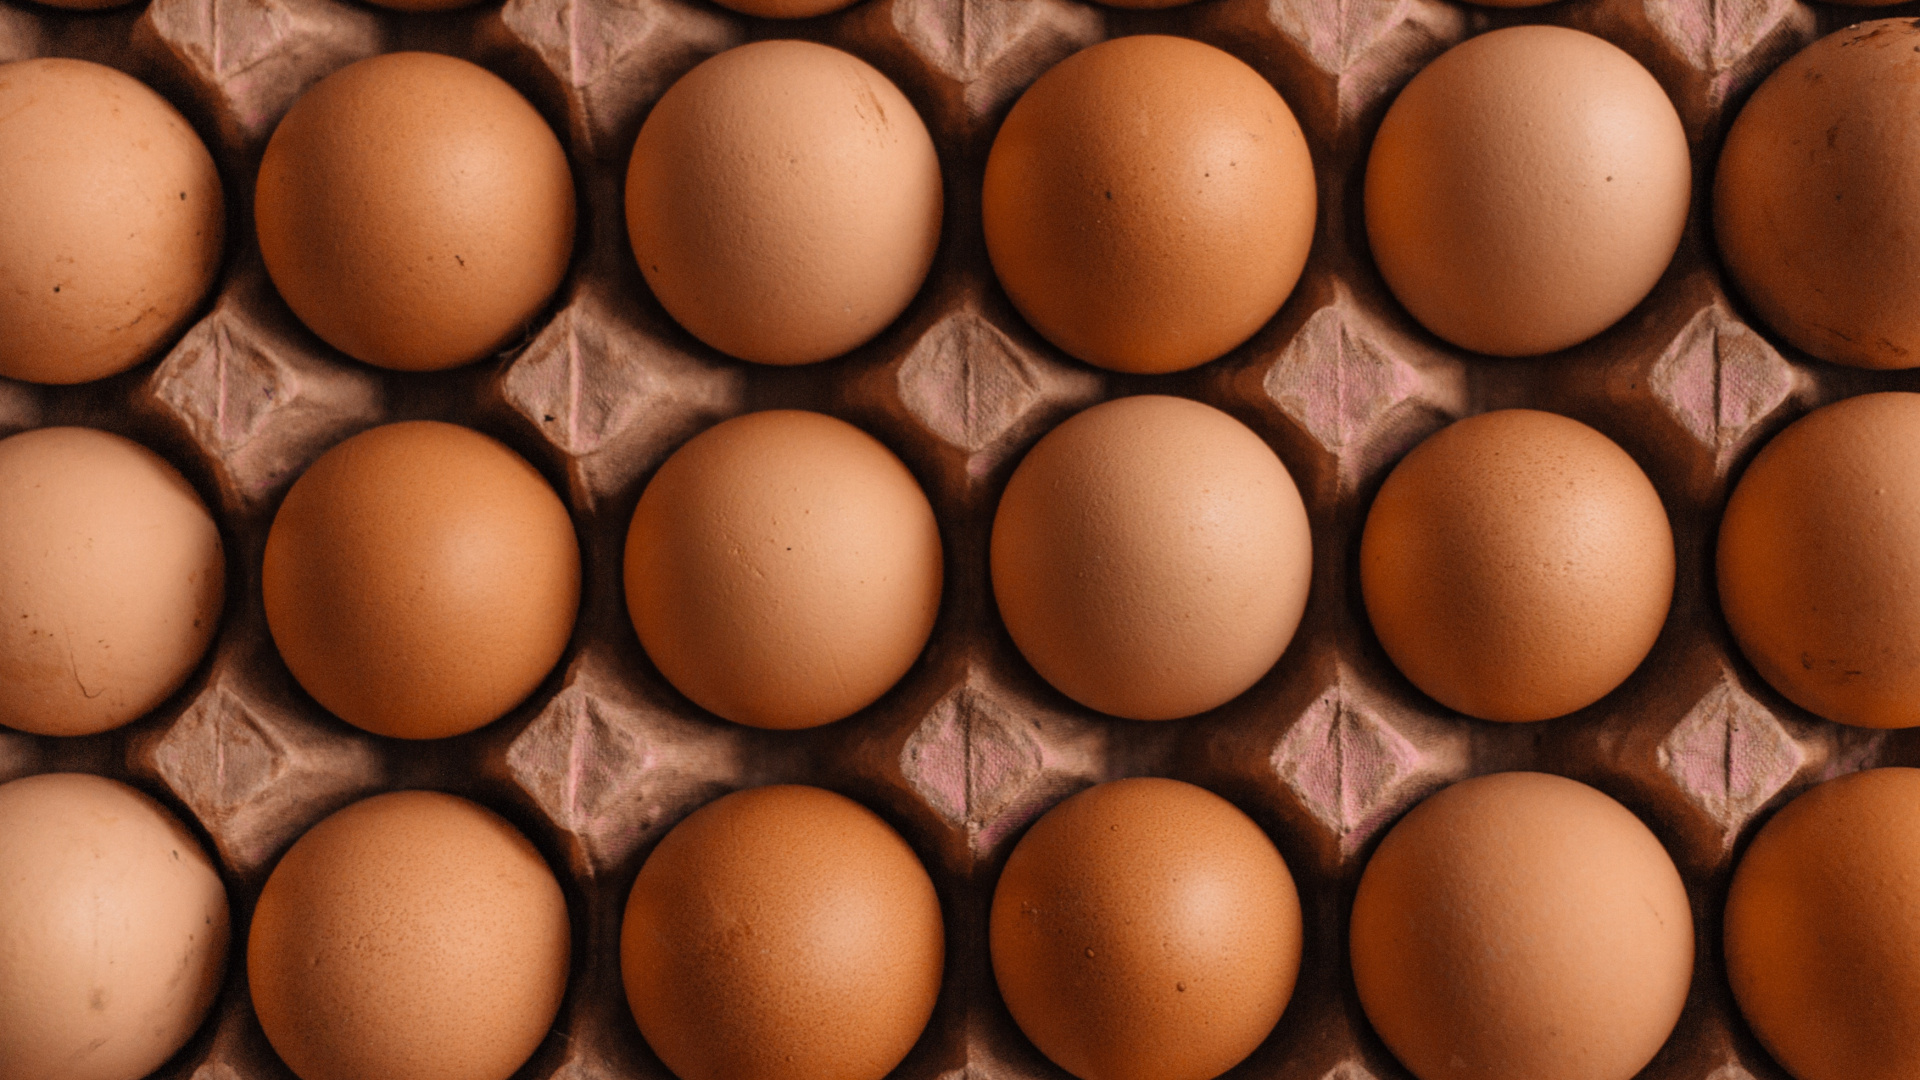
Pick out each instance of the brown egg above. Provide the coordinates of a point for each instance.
(784, 200)
(113, 221)
(783, 569)
(782, 933)
(784, 9)
(1151, 557)
(1818, 197)
(115, 930)
(421, 579)
(1817, 561)
(1522, 926)
(1517, 565)
(1145, 929)
(112, 578)
(414, 211)
(414, 934)
(1149, 203)
(1526, 190)
(1823, 949)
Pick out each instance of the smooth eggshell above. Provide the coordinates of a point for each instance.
(784, 9)
(1149, 203)
(113, 930)
(783, 569)
(1526, 190)
(1819, 561)
(112, 226)
(415, 211)
(1151, 557)
(782, 933)
(1146, 929)
(1517, 565)
(112, 577)
(1823, 930)
(784, 201)
(1817, 199)
(421, 579)
(413, 934)
(1522, 926)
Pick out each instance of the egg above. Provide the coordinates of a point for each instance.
(1817, 197)
(1148, 203)
(1145, 929)
(782, 933)
(1517, 565)
(112, 577)
(1526, 190)
(1521, 926)
(784, 200)
(411, 934)
(415, 211)
(784, 9)
(783, 569)
(1823, 950)
(114, 221)
(1151, 557)
(115, 930)
(421, 579)
(1817, 566)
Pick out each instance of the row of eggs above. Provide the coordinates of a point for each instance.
(1514, 926)
(1151, 558)
(1148, 204)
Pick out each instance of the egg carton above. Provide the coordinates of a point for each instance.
(1325, 751)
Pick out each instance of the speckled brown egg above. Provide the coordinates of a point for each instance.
(1817, 199)
(411, 934)
(1823, 945)
(415, 211)
(1149, 203)
(1151, 557)
(113, 223)
(1819, 560)
(784, 201)
(421, 579)
(112, 577)
(1526, 190)
(1145, 929)
(783, 569)
(1517, 565)
(113, 930)
(1522, 926)
(782, 933)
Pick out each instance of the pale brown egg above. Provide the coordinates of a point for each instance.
(1823, 947)
(413, 934)
(115, 930)
(421, 579)
(1522, 926)
(1145, 929)
(1817, 198)
(782, 933)
(1526, 190)
(1151, 557)
(783, 569)
(1819, 560)
(112, 226)
(1149, 203)
(1517, 565)
(784, 201)
(112, 578)
(415, 211)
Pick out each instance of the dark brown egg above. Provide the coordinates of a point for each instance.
(415, 211)
(421, 579)
(782, 933)
(1149, 203)
(1146, 929)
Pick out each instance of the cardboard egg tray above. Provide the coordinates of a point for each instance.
(1325, 752)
